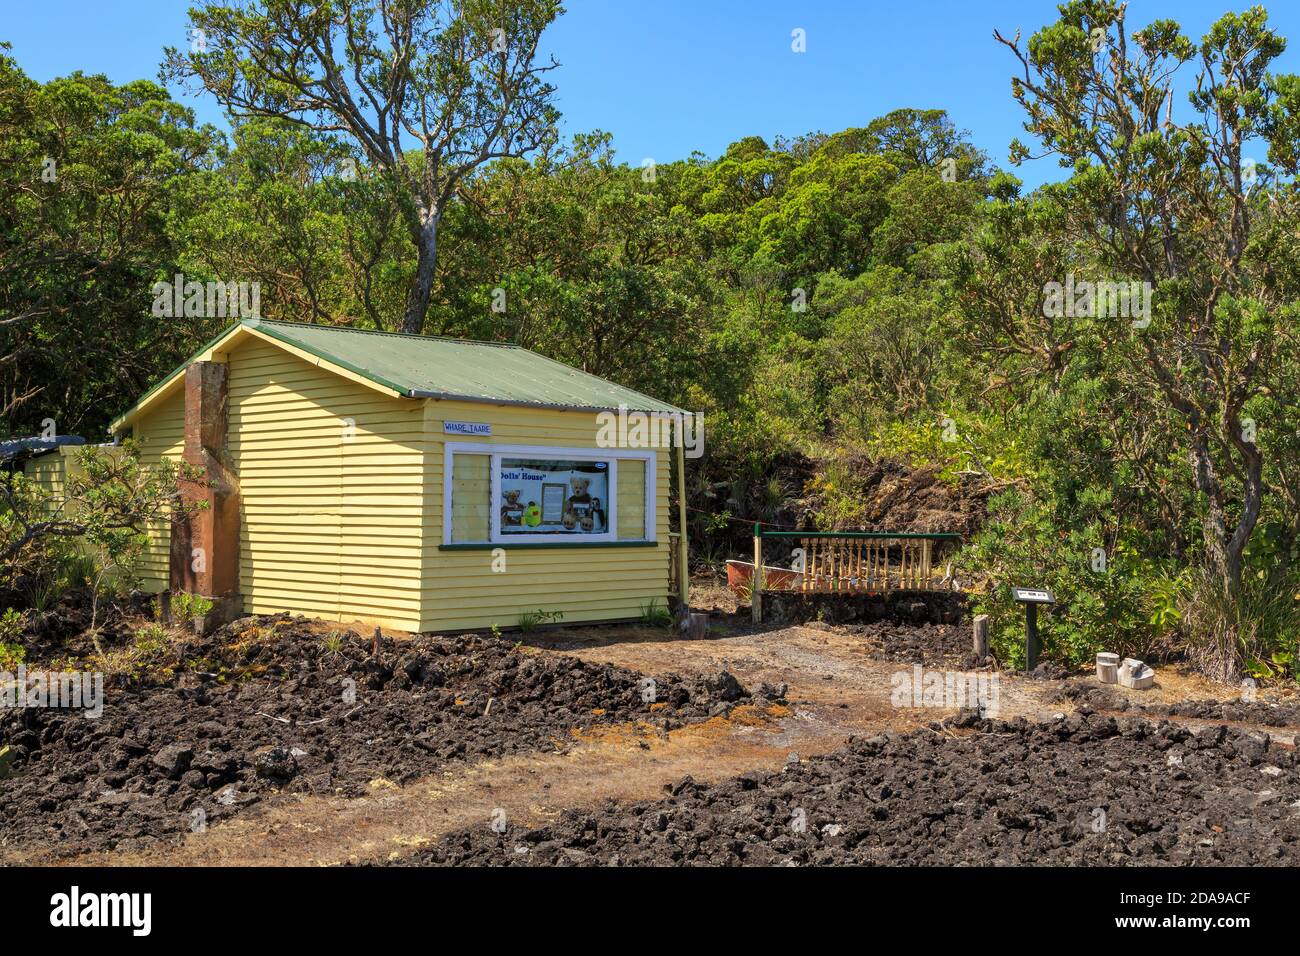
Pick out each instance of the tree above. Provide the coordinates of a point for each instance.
(915, 139)
(1182, 207)
(598, 265)
(460, 80)
(90, 176)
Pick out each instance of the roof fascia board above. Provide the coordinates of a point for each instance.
(520, 403)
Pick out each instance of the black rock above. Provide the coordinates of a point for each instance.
(274, 763)
(725, 686)
(174, 759)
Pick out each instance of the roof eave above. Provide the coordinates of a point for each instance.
(521, 403)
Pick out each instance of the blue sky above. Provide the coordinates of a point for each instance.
(673, 76)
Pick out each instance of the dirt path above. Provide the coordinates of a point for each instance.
(836, 690)
(831, 674)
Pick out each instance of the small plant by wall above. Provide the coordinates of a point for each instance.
(531, 620)
(655, 614)
(188, 608)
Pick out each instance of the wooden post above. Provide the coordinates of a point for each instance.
(683, 569)
(756, 583)
(980, 632)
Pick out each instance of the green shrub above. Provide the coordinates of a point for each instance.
(1254, 632)
(151, 646)
(1113, 608)
(12, 623)
(42, 591)
(11, 655)
(77, 571)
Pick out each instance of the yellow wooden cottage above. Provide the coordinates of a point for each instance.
(413, 482)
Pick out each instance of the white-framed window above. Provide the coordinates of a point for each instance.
(534, 494)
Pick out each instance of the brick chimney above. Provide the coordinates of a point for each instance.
(205, 545)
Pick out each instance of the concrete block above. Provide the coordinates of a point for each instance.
(1107, 667)
(1135, 675)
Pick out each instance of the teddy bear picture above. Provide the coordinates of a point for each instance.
(578, 507)
(512, 512)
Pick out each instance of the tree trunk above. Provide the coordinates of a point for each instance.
(1214, 522)
(417, 300)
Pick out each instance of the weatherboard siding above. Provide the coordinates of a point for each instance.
(462, 592)
(49, 473)
(331, 476)
(160, 433)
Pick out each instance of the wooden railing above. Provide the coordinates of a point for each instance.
(852, 562)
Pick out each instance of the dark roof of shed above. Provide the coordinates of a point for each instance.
(19, 448)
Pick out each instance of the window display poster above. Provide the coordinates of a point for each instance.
(554, 497)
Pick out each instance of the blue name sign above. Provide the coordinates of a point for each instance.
(466, 428)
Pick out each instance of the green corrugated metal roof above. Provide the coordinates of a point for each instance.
(424, 366)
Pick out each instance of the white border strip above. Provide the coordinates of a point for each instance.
(496, 452)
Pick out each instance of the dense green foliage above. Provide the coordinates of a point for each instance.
(878, 290)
